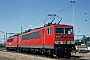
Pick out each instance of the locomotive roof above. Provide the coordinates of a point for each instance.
(32, 30)
(45, 26)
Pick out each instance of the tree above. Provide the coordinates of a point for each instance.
(83, 40)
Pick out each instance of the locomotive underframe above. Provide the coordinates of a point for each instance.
(64, 49)
(58, 50)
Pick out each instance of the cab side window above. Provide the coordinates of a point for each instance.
(49, 30)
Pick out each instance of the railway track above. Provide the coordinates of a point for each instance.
(43, 56)
(48, 57)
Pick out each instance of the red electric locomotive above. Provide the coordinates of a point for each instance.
(53, 39)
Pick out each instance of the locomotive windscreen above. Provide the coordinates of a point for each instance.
(64, 30)
(10, 40)
(59, 30)
(68, 31)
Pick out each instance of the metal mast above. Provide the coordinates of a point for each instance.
(73, 1)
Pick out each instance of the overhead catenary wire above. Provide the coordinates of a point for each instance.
(78, 2)
(76, 7)
(34, 20)
(33, 14)
(67, 7)
(40, 9)
(45, 11)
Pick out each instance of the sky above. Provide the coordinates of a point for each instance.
(31, 14)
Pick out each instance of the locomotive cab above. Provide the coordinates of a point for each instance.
(12, 43)
(64, 39)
